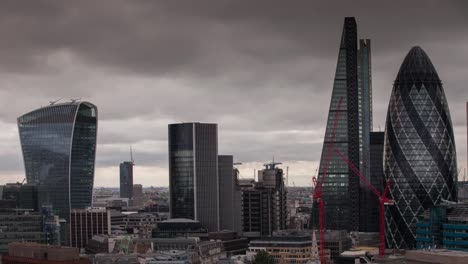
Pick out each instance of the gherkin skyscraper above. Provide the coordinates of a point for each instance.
(419, 152)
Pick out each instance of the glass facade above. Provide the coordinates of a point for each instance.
(367, 198)
(126, 179)
(193, 173)
(59, 146)
(341, 186)
(419, 152)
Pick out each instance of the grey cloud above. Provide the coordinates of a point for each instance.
(257, 68)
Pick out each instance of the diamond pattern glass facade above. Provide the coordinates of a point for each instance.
(419, 151)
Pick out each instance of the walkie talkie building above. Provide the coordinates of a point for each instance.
(59, 147)
(419, 153)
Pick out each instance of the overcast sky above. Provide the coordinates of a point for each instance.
(262, 70)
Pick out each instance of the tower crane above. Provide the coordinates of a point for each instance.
(383, 200)
(318, 194)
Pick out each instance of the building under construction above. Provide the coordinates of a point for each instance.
(443, 226)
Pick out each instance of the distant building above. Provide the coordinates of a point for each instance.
(463, 192)
(208, 251)
(233, 244)
(23, 225)
(264, 207)
(173, 228)
(87, 223)
(141, 223)
(288, 246)
(229, 195)
(138, 198)
(175, 257)
(193, 173)
(420, 158)
(59, 146)
(116, 259)
(28, 253)
(126, 179)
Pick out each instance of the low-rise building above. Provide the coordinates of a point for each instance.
(174, 257)
(233, 244)
(18, 225)
(179, 227)
(287, 246)
(337, 241)
(84, 224)
(27, 253)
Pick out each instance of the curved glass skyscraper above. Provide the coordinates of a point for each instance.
(419, 153)
(59, 147)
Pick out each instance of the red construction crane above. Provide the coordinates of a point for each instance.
(318, 194)
(383, 200)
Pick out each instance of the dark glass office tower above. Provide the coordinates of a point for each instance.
(193, 173)
(370, 208)
(341, 187)
(366, 199)
(59, 147)
(420, 157)
(126, 179)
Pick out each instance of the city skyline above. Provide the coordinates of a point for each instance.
(255, 70)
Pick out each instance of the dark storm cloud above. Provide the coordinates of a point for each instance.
(262, 70)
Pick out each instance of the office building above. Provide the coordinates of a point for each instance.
(23, 195)
(233, 244)
(126, 179)
(59, 146)
(87, 223)
(337, 241)
(229, 195)
(193, 173)
(420, 158)
(443, 226)
(288, 246)
(22, 225)
(342, 188)
(138, 198)
(264, 206)
(366, 197)
(370, 209)
(174, 257)
(173, 228)
(141, 223)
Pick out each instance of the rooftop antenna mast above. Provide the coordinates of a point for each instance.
(73, 100)
(131, 155)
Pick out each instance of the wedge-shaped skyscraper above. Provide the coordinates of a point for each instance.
(59, 147)
(419, 152)
(341, 187)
